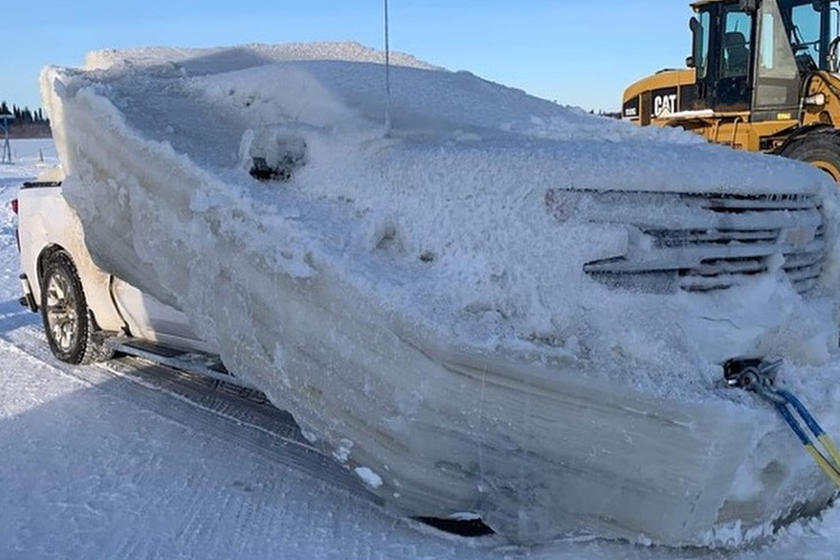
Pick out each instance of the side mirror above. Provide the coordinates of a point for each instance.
(694, 25)
(696, 41)
(833, 59)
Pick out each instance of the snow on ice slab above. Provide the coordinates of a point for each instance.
(420, 302)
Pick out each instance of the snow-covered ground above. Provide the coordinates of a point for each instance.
(97, 463)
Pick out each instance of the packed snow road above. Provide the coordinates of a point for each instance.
(129, 460)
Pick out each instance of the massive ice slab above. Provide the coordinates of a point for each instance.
(506, 307)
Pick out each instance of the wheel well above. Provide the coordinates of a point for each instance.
(83, 344)
(54, 249)
(802, 132)
(46, 253)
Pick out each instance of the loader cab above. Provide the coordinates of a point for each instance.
(753, 55)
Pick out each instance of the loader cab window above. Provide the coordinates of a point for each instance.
(793, 36)
(737, 44)
(809, 34)
(733, 48)
(701, 29)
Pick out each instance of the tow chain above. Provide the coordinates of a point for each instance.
(759, 377)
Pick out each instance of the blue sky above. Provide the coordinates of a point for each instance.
(576, 52)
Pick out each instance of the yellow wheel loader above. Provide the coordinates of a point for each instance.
(762, 77)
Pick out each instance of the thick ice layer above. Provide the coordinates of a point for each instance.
(419, 302)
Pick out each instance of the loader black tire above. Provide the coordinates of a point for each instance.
(820, 148)
(68, 322)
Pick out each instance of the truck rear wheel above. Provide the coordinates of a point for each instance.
(820, 148)
(67, 320)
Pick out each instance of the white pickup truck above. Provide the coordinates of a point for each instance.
(503, 308)
(88, 313)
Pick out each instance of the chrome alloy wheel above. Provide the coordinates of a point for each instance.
(62, 317)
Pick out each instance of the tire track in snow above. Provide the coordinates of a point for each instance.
(269, 435)
(204, 504)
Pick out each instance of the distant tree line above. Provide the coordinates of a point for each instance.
(27, 123)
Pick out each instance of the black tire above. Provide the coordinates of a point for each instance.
(68, 322)
(820, 148)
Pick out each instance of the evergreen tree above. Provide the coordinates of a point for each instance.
(26, 121)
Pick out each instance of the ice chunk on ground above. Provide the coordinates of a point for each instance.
(369, 477)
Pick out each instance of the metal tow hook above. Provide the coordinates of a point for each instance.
(758, 376)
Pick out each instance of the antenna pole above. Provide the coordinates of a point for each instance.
(387, 75)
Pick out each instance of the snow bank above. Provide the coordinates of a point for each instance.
(420, 302)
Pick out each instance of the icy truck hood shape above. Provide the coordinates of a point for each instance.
(505, 307)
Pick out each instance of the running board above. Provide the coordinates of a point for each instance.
(198, 363)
